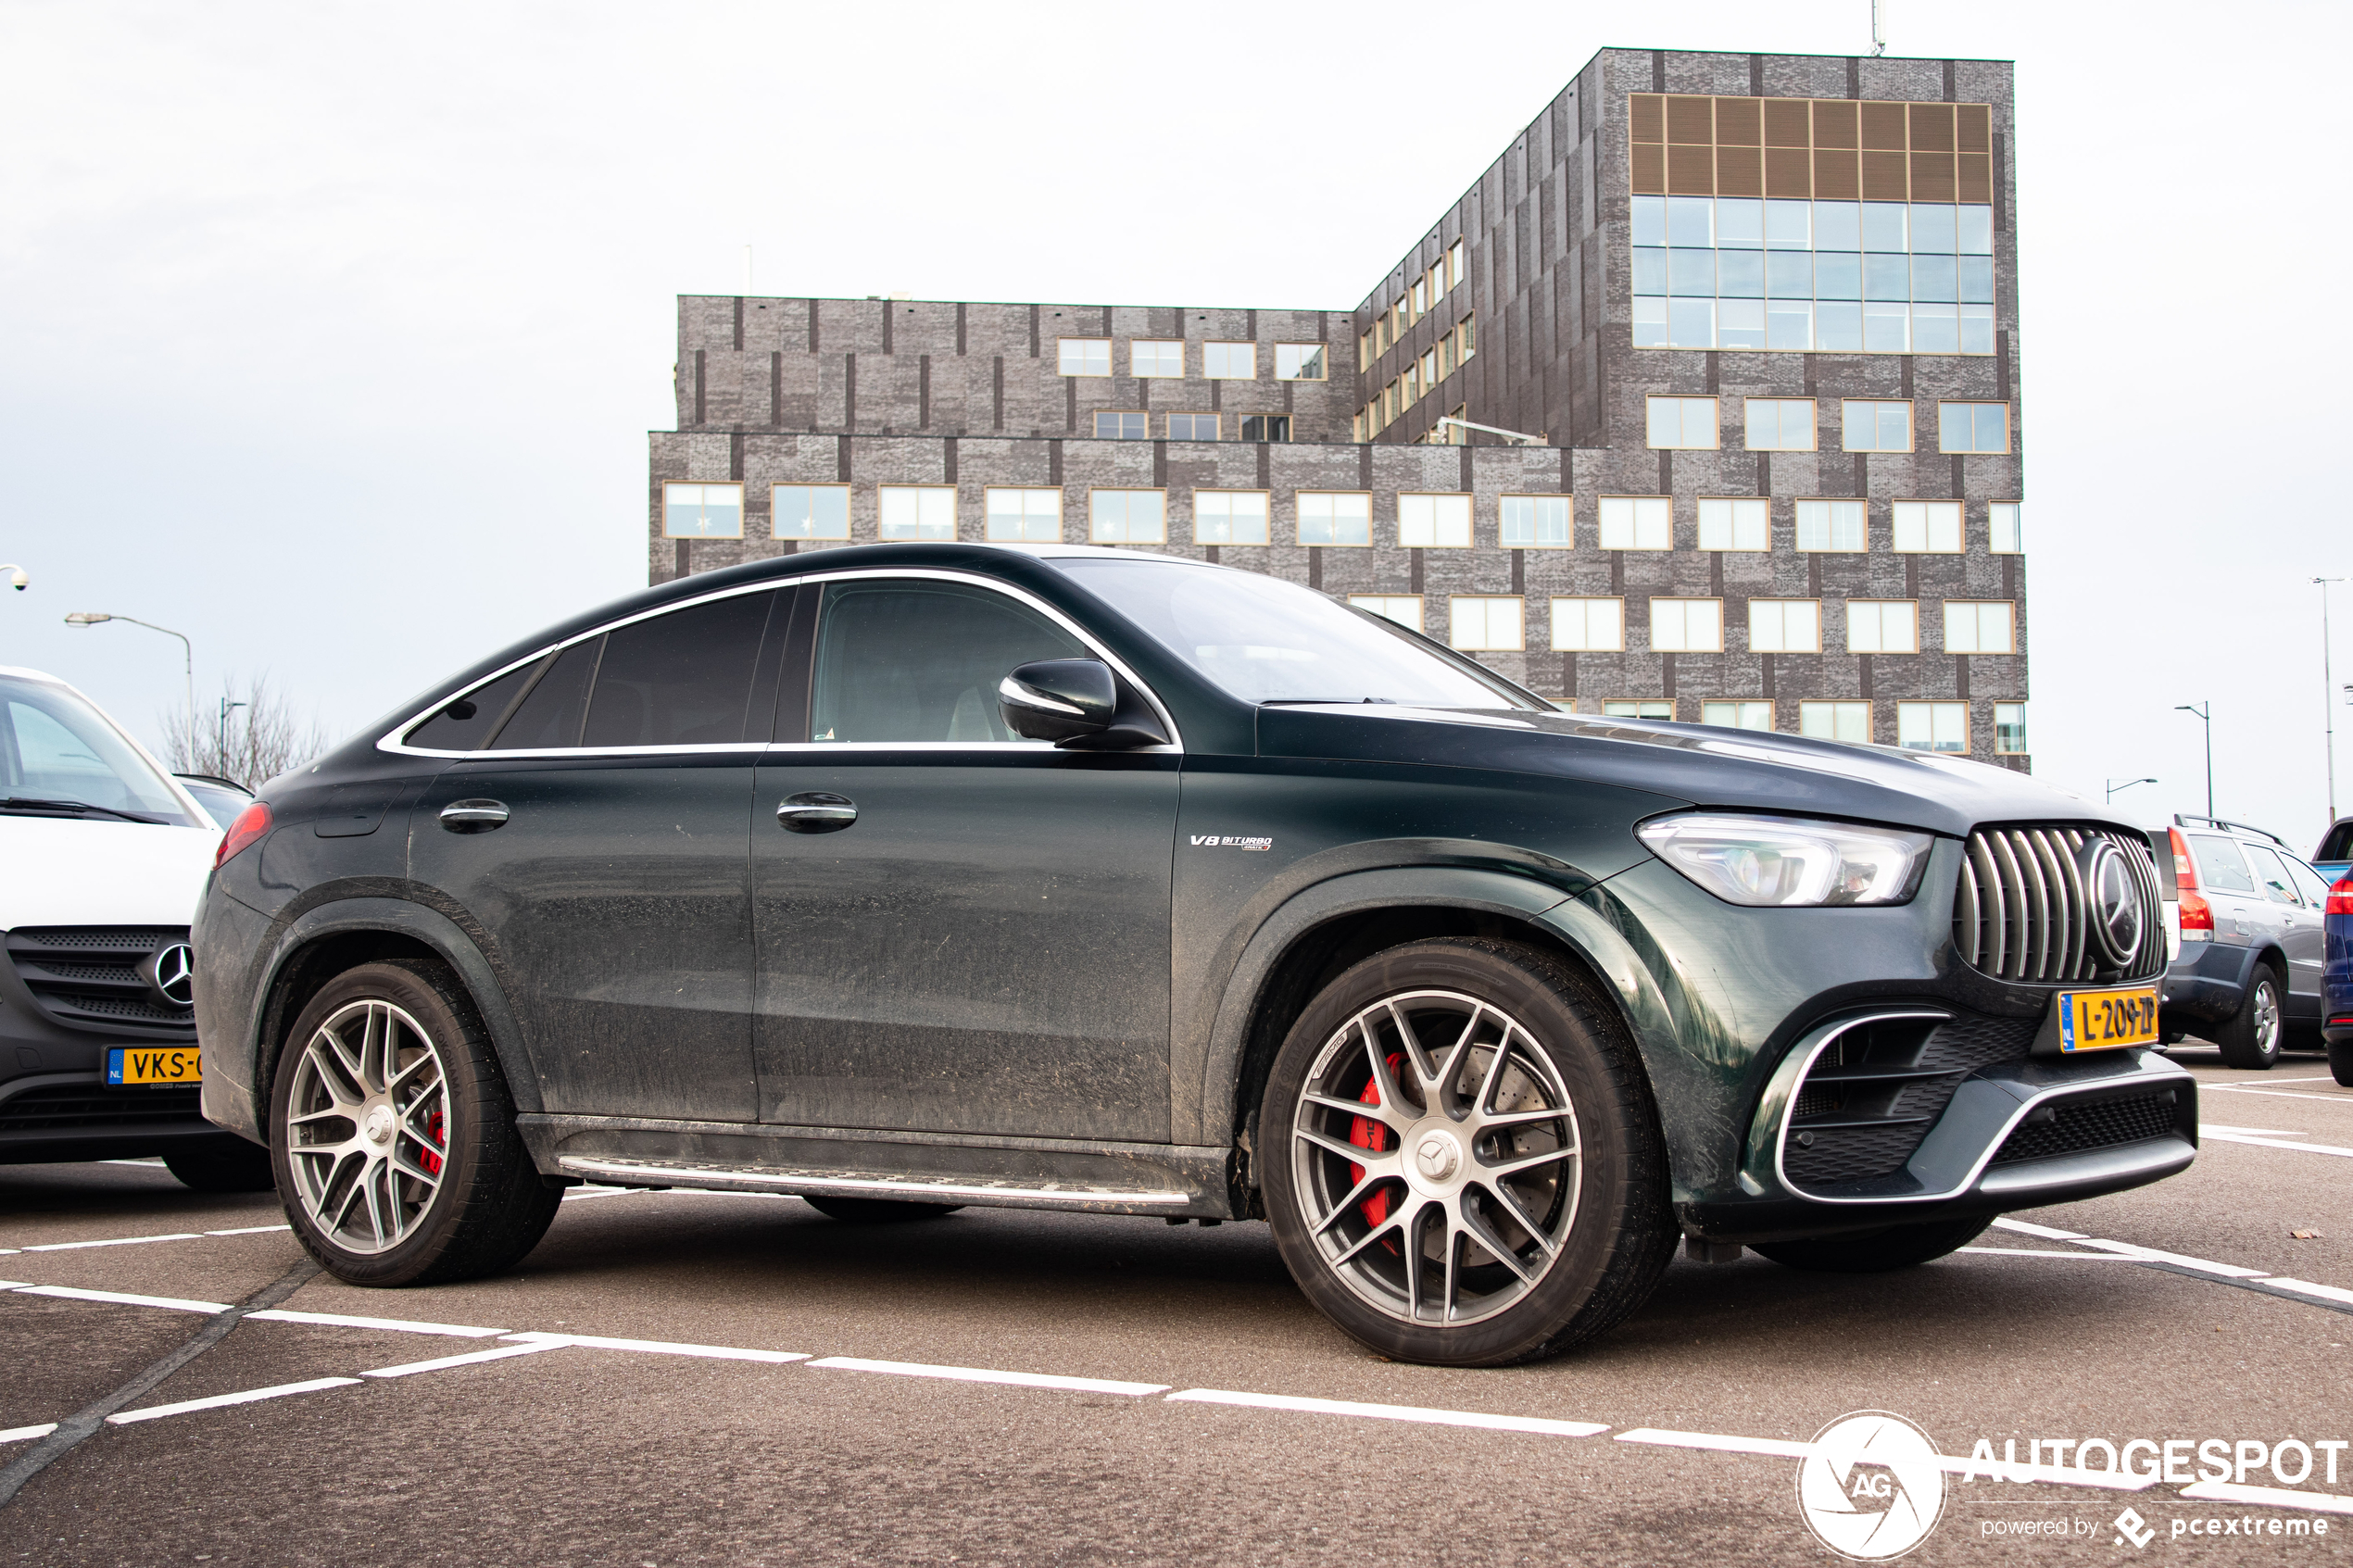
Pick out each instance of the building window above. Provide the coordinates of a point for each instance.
(1403, 609)
(1833, 525)
(1230, 361)
(1687, 625)
(1299, 361)
(1848, 721)
(1156, 357)
(808, 511)
(1122, 427)
(1972, 427)
(1589, 625)
(1638, 522)
(2005, 529)
(1230, 517)
(1192, 427)
(1653, 709)
(1334, 517)
(1466, 336)
(1933, 726)
(1683, 423)
(1735, 523)
(1454, 265)
(1126, 517)
(1533, 522)
(1980, 626)
(1266, 427)
(2009, 728)
(1882, 626)
(1086, 355)
(1019, 515)
(1484, 623)
(1453, 430)
(918, 511)
(1429, 369)
(1928, 527)
(1434, 521)
(1784, 625)
(1421, 297)
(702, 511)
(1737, 715)
(1779, 425)
(1877, 427)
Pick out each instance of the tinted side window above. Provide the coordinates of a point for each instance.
(680, 678)
(920, 661)
(2270, 874)
(2338, 845)
(550, 712)
(2219, 865)
(467, 722)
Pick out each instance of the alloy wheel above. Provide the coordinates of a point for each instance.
(368, 1126)
(1436, 1157)
(2267, 1017)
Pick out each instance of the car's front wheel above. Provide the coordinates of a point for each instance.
(1876, 1252)
(2251, 1040)
(1463, 1161)
(394, 1136)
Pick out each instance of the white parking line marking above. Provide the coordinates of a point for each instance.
(2045, 1231)
(2275, 1142)
(2216, 1129)
(115, 1241)
(2268, 1496)
(578, 1192)
(1716, 1441)
(25, 1434)
(1780, 1447)
(667, 1348)
(219, 1401)
(2152, 1255)
(409, 1369)
(2279, 1094)
(983, 1374)
(122, 1299)
(399, 1325)
(2304, 1287)
(251, 1230)
(1545, 1424)
(2051, 1252)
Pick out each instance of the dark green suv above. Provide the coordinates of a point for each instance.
(914, 876)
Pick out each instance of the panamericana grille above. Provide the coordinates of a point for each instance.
(2069, 1129)
(1875, 1091)
(88, 976)
(2023, 910)
(61, 1107)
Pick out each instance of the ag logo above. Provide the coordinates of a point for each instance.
(1871, 1489)
(172, 973)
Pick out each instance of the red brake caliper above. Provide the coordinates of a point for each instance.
(428, 1159)
(1368, 1133)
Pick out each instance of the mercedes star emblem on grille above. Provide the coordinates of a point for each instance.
(2115, 900)
(172, 973)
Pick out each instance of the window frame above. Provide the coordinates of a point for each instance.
(670, 484)
(1298, 521)
(1928, 546)
(1062, 512)
(1977, 609)
(1967, 724)
(1683, 400)
(1267, 498)
(1797, 518)
(1519, 600)
(1470, 520)
(1062, 358)
(1651, 640)
(773, 513)
(1878, 604)
(956, 510)
(1156, 344)
(1420, 622)
(1813, 424)
(2010, 439)
(1772, 712)
(1210, 345)
(2018, 529)
(1736, 503)
(1639, 702)
(1552, 612)
(2001, 750)
(1321, 351)
(1846, 424)
(1870, 718)
(1241, 428)
(1096, 416)
(1094, 490)
(1761, 599)
(1601, 516)
(1567, 497)
(1217, 423)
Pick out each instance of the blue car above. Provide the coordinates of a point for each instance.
(2336, 975)
(2333, 858)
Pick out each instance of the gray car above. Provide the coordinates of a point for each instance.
(2248, 975)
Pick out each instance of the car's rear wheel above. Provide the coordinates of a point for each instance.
(875, 1210)
(1463, 1161)
(2250, 1041)
(245, 1168)
(1876, 1252)
(2341, 1062)
(394, 1136)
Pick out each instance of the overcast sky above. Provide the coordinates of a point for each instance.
(330, 333)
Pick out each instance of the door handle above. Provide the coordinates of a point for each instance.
(816, 811)
(473, 816)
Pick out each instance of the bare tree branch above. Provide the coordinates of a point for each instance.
(256, 742)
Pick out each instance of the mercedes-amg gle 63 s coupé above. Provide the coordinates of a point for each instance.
(907, 877)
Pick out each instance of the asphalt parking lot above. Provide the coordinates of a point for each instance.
(995, 1387)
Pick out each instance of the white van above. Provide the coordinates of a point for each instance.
(103, 857)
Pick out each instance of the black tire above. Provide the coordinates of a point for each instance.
(2341, 1062)
(1876, 1252)
(245, 1168)
(1607, 1218)
(489, 1206)
(876, 1210)
(2250, 1041)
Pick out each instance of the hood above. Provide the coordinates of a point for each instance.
(62, 871)
(1701, 765)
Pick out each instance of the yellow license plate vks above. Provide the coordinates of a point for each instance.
(167, 1064)
(2103, 1021)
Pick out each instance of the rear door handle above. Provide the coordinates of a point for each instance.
(473, 816)
(816, 811)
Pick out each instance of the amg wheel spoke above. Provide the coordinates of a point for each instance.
(1391, 1097)
(1479, 1230)
(1509, 1202)
(1366, 1240)
(371, 1187)
(1410, 1246)
(1415, 1055)
(427, 1063)
(1348, 1204)
(339, 1076)
(1453, 1260)
(1493, 1078)
(1517, 1118)
(1381, 1113)
(409, 1168)
(1502, 1168)
(1385, 1159)
(1451, 1071)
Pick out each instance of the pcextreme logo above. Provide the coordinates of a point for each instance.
(1872, 1488)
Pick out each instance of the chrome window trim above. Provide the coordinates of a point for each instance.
(391, 741)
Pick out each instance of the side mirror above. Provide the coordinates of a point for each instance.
(1079, 704)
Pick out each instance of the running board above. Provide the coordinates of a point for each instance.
(782, 1179)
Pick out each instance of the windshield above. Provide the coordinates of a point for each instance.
(1266, 640)
(54, 746)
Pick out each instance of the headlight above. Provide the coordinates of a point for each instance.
(1784, 860)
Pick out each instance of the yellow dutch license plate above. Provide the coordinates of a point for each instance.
(2102, 1020)
(182, 1064)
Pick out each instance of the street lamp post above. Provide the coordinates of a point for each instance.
(2115, 785)
(187, 649)
(2328, 683)
(227, 708)
(2206, 716)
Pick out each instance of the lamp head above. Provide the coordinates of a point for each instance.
(86, 618)
(18, 579)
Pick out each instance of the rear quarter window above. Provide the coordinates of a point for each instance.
(2221, 867)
